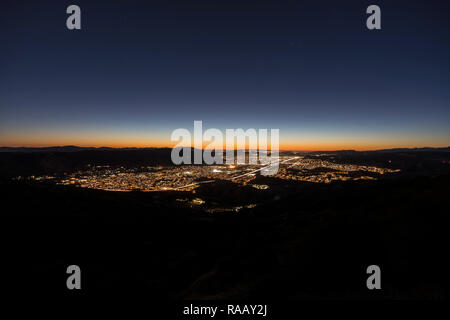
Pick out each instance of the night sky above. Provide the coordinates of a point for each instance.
(139, 69)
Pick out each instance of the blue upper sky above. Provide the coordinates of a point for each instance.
(139, 69)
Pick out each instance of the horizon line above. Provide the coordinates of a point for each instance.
(246, 149)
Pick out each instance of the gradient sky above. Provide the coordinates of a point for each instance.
(139, 69)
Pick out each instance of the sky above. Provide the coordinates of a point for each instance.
(137, 70)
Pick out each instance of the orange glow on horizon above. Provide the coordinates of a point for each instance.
(158, 138)
(164, 144)
(288, 142)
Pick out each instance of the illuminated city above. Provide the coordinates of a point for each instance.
(189, 177)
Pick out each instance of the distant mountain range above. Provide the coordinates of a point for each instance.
(67, 149)
(76, 148)
(423, 149)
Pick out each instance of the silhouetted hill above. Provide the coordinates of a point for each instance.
(57, 162)
(76, 148)
(66, 149)
(313, 243)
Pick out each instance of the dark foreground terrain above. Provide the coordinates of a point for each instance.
(313, 244)
(303, 240)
